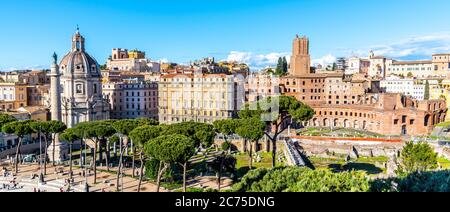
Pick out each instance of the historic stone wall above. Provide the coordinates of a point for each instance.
(324, 148)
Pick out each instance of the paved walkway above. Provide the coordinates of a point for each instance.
(106, 181)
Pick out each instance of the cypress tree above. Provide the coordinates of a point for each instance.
(279, 70)
(427, 90)
(285, 65)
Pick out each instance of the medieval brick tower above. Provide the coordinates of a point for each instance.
(301, 60)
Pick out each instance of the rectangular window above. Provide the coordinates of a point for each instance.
(79, 89)
(395, 121)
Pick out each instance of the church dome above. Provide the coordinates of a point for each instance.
(78, 61)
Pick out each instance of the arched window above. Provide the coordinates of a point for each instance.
(325, 123)
(426, 120)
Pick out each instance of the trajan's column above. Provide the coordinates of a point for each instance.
(61, 149)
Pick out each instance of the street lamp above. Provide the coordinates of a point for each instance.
(86, 185)
(41, 175)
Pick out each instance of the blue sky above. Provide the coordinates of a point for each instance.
(253, 31)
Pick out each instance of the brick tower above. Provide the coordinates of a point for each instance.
(301, 60)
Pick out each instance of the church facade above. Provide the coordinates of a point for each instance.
(80, 86)
(75, 92)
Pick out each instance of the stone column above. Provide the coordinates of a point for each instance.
(61, 149)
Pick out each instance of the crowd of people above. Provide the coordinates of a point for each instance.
(12, 185)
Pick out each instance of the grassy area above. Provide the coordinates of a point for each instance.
(443, 124)
(339, 164)
(338, 132)
(243, 158)
(444, 162)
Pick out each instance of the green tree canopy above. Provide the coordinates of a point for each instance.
(144, 134)
(288, 107)
(70, 135)
(114, 139)
(432, 181)
(251, 129)
(171, 149)
(57, 126)
(427, 90)
(285, 66)
(417, 158)
(5, 119)
(295, 179)
(127, 125)
(19, 128)
(225, 127)
(201, 133)
(279, 69)
(103, 131)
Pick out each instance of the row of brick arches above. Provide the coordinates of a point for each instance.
(344, 123)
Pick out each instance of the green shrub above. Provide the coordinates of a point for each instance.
(438, 181)
(417, 157)
(294, 179)
(226, 146)
(151, 169)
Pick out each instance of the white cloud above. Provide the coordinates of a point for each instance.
(35, 67)
(163, 60)
(412, 47)
(257, 61)
(261, 61)
(325, 60)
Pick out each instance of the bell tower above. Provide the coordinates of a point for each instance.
(301, 60)
(78, 41)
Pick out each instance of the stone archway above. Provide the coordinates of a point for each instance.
(315, 122)
(347, 123)
(364, 125)
(442, 116)
(356, 124)
(336, 123)
(426, 120)
(326, 123)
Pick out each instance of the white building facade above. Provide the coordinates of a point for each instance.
(199, 97)
(132, 100)
(407, 86)
(356, 65)
(417, 69)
